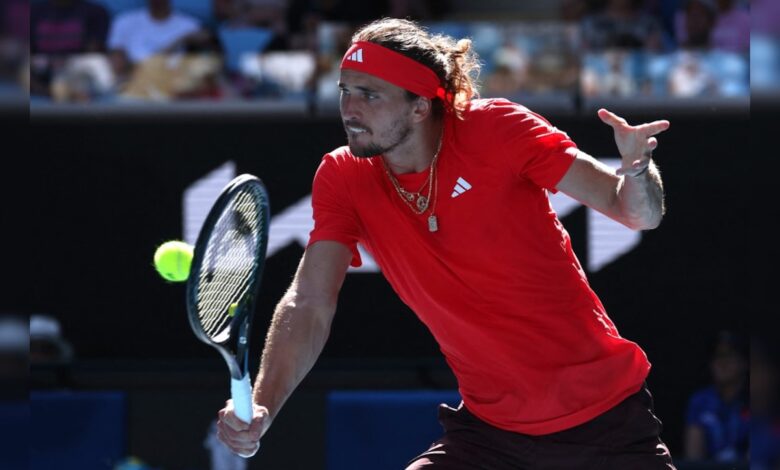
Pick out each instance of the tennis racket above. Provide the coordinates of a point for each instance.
(224, 278)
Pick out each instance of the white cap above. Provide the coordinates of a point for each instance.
(44, 327)
(47, 329)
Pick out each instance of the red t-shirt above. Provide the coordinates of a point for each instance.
(498, 284)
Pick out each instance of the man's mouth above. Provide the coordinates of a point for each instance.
(355, 129)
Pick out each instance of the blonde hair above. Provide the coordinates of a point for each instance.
(454, 62)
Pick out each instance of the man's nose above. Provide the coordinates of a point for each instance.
(349, 108)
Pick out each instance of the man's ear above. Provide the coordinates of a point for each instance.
(421, 108)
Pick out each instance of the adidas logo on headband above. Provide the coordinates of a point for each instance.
(356, 56)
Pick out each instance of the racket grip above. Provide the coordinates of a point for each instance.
(241, 392)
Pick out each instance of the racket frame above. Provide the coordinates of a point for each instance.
(236, 359)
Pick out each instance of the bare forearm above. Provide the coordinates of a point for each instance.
(641, 199)
(295, 340)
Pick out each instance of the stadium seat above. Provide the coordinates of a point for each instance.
(16, 435)
(77, 430)
(382, 430)
(238, 41)
(732, 71)
(200, 9)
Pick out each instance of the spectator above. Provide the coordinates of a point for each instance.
(14, 48)
(68, 27)
(732, 28)
(510, 72)
(83, 79)
(573, 11)
(58, 29)
(717, 419)
(665, 11)
(765, 17)
(267, 14)
(616, 82)
(137, 35)
(720, 24)
(304, 17)
(552, 70)
(694, 24)
(689, 79)
(622, 25)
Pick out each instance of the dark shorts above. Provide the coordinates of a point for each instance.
(627, 437)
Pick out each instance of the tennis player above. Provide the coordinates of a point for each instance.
(450, 196)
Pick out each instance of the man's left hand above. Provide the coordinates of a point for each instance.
(635, 143)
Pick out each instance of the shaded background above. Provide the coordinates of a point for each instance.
(113, 192)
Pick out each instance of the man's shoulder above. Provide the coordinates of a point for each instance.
(486, 114)
(492, 106)
(493, 116)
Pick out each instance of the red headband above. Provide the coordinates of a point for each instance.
(393, 67)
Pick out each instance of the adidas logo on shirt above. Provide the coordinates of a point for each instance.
(356, 56)
(460, 187)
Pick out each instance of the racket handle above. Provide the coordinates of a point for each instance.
(241, 392)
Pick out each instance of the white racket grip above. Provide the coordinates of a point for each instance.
(241, 392)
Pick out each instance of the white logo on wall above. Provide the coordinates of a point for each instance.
(607, 240)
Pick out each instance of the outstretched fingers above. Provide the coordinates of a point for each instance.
(617, 122)
(653, 128)
(611, 119)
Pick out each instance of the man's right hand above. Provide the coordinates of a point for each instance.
(240, 437)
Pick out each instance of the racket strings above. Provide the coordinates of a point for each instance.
(230, 260)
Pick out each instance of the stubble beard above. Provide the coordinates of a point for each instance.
(400, 131)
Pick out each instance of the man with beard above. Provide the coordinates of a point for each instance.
(430, 173)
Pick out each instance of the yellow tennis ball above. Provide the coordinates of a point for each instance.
(232, 309)
(173, 259)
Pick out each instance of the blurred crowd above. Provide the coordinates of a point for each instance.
(162, 50)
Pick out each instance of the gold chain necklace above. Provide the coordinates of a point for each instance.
(421, 202)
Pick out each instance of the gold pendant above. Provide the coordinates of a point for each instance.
(433, 223)
(422, 203)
